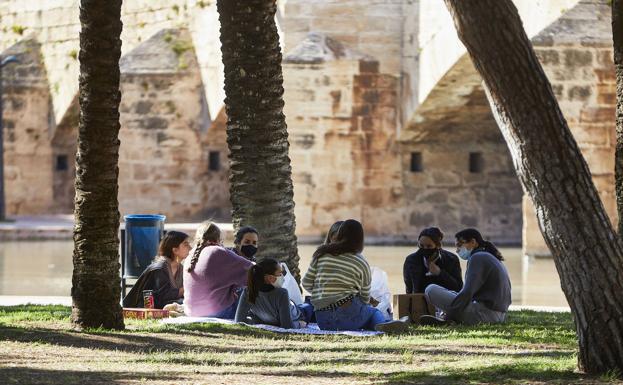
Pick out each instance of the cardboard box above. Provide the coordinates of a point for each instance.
(413, 305)
(140, 313)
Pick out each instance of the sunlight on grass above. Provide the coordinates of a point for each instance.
(532, 347)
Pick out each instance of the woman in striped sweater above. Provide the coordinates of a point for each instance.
(339, 282)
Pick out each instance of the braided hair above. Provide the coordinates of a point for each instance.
(208, 233)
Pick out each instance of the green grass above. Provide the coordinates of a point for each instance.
(39, 346)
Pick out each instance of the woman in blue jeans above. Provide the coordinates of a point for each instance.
(339, 279)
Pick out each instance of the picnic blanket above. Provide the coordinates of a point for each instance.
(310, 329)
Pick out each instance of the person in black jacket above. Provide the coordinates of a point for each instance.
(164, 275)
(430, 264)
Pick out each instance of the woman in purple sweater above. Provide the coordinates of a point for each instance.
(213, 277)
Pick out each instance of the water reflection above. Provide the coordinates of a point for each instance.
(39, 268)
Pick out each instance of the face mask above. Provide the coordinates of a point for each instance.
(248, 250)
(279, 281)
(427, 252)
(464, 253)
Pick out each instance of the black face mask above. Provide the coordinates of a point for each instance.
(248, 250)
(427, 252)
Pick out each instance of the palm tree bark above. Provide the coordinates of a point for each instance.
(587, 252)
(617, 37)
(96, 289)
(260, 173)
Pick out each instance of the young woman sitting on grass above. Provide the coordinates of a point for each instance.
(164, 275)
(486, 294)
(431, 264)
(264, 300)
(213, 277)
(339, 279)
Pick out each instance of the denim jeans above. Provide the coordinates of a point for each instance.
(229, 312)
(355, 315)
(307, 311)
(473, 314)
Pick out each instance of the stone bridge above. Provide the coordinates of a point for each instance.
(388, 120)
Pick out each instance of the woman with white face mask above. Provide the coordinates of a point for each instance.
(486, 293)
(265, 301)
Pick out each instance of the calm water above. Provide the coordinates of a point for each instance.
(38, 268)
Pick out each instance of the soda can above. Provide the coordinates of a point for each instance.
(148, 299)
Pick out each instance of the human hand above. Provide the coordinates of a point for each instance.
(181, 292)
(302, 324)
(433, 269)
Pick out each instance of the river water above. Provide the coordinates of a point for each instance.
(43, 268)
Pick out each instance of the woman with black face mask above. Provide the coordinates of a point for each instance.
(245, 242)
(430, 264)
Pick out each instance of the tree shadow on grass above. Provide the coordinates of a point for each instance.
(520, 373)
(32, 376)
(119, 341)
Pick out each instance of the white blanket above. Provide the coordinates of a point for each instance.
(310, 329)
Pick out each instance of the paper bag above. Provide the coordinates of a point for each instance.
(413, 305)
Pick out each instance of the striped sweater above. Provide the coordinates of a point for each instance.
(333, 277)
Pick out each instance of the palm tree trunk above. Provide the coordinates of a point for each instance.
(586, 249)
(96, 286)
(617, 37)
(260, 173)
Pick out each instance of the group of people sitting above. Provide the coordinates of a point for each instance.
(228, 283)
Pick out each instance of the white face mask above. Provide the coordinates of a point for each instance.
(279, 281)
(464, 253)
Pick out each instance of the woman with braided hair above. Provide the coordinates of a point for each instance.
(214, 276)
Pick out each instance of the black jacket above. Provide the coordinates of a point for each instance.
(416, 280)
(156, 277)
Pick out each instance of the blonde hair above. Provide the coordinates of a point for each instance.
(208, 232)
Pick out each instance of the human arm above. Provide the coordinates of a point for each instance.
(310, 276)
(413, 273)
(366, 281)
(283, 309)
(243, 307)
(475, 277)
(234, 267)
(450, 274)
(163, 289)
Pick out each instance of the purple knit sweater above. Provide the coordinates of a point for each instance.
(210, 287)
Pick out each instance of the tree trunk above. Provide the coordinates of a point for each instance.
(586, 249)
(96, 289)
(617, 37)
(260, 173)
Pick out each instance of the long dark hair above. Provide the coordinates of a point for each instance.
(255, 276)
(433, 233)
(170, 241)
(332, 232)
(349, 240)
(242, 231)
(207, 233)
(469, 234)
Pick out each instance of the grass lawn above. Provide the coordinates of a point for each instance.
(38, 346)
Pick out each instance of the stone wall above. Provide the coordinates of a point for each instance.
(28, 162)
(576, 54)
(372, 27)
(341, 115)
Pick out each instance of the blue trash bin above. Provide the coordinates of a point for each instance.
(142, 236)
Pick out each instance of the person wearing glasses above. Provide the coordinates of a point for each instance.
(430, 264)
(164, 275)
(486, 294)
(265, 301)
